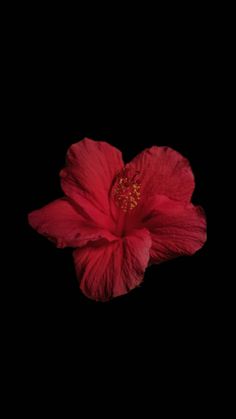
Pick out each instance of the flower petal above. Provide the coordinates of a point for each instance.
(89, 173)
(113, 269)
(176, 228)
(164, 171)
(61, 223)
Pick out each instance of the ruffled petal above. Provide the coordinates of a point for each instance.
(91, 167)
(176, 228)
(163, 171)
(61, 223)
(113, 269)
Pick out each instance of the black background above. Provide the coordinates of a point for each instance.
(135, 78)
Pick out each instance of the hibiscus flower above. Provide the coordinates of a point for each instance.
(121, 218)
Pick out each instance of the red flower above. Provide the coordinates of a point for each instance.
(121, 218)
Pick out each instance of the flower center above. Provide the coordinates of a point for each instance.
(126, 191)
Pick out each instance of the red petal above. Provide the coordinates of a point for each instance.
(89, 173)
(176, 229)
(113, 269)
(164, 171)
(60, 222)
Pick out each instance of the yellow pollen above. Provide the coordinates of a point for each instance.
(126, 192)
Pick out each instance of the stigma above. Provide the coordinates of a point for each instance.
(126, 191)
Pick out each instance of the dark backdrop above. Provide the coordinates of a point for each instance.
(155, 83)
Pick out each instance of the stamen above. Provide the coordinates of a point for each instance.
(126, 191)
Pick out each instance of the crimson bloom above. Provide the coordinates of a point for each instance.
(121, 218)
